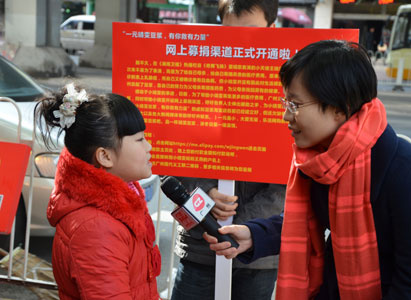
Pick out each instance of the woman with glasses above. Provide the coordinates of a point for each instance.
(350, 174)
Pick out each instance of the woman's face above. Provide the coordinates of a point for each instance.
(310, 125)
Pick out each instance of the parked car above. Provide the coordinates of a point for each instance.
(77, 33)
(21, 88)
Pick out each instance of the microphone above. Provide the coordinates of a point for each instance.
(193, 209)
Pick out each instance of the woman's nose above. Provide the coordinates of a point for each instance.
(288, 116)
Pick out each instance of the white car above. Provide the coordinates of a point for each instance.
(77, 33)
(21, 88)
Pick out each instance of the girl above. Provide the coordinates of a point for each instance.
(350, 174)
(103, 246)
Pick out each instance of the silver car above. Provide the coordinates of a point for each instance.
(77, 33)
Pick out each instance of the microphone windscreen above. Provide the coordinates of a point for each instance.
(174, 190)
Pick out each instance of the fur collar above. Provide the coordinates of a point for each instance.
(79, 184)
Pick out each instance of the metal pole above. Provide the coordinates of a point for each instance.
(11, 253)
(400, 73)
(158, 213)
(30, 201)
(170, 269)
(7, 99)
(223, 266)
(190, 12)
(9, 277)
(13, 229)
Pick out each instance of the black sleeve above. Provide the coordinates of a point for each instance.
(400, 202)
(266, 235)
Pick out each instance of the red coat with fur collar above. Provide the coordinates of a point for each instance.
(103, 246)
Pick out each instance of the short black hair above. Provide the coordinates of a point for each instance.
(102, 121)
(336, 73)
(269, 7)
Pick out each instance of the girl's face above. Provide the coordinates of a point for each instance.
(132, 161)
(310, 125)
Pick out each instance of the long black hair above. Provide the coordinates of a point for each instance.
(102, 121)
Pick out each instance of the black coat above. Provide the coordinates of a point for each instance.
(391, 204)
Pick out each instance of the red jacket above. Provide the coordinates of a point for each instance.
(103, 246)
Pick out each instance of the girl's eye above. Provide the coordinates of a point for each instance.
(140, 140)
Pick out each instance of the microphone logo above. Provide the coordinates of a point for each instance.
(198, 202)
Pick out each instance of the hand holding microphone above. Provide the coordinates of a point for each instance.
(241, 233)
(193, 209)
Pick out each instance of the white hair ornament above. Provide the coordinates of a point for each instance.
(71, 101)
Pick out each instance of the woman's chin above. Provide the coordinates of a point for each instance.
(301, 144)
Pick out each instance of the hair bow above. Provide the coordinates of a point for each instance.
(71, 101)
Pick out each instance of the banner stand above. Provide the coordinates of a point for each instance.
(223, 266)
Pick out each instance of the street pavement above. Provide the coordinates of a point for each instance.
(10, 291)
(92, 80)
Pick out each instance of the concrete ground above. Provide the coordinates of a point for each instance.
(13, 291)
(93, 80)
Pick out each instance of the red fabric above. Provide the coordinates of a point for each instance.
(103, 246)
(346, 167)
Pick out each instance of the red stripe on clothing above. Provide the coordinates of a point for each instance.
(346, 167)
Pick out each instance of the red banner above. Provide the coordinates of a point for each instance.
(13, 164)
(210, 95)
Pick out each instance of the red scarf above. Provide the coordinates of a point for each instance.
(346, 167)
(85, 185)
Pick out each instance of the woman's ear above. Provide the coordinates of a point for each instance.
(104, 157)
(340, 116)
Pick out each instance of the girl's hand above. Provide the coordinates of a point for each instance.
(240, 233)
